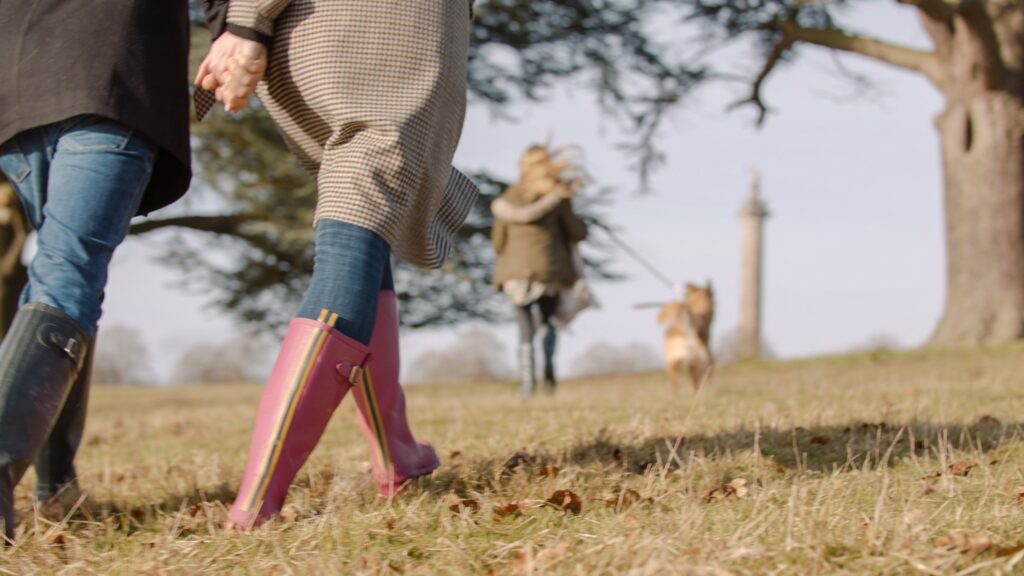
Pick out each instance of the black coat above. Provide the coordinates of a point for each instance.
(123, 59)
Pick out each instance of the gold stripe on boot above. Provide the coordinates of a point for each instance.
(375, 421)
(284, 420)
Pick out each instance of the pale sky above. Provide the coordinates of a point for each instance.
(854, 247)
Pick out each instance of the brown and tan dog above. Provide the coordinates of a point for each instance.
(688, 335)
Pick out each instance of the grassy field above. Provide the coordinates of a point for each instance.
(875, 464)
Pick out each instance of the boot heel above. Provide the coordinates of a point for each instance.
(397, 456)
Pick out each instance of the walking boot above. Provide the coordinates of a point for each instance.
(527, 371)
(396, 455)
(57, 487)
(39, 361)
(548, 343)
(314, 370)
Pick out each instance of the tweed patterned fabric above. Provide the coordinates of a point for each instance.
(256, 14)
(371, 95)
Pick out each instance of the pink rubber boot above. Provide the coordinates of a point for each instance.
(396, 455)
(314, 370)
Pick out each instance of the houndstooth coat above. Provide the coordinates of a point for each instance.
(371, 95)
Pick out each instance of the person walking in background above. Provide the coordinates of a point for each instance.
(370, 96)
(93, 130)
(535, 235)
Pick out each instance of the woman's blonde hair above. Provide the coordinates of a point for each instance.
(545, 171)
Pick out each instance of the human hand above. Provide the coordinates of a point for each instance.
(232, 70)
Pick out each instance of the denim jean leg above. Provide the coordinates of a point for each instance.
(98, 172)
(350, 266)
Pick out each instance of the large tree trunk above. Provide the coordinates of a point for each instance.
(982, 134)
(983, 167)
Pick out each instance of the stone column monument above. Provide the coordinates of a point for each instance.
(752, 214)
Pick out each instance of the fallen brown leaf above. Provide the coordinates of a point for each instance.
(963, 467)
(455, 454)
(963, 542)
(457, 505)
(821, 440)
(62, 538)
(566, 500)
(510, 509)
(1004, 551)
(735, 488)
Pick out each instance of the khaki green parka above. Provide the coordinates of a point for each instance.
(539, 250)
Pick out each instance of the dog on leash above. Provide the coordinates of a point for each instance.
(688, 335)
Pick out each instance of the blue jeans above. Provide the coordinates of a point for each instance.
(352, 265)
(80, 181)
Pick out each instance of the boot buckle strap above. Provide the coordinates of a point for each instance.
(66, 344)
(356, 375)
(351, 365)
(350, 371)
(73, 348)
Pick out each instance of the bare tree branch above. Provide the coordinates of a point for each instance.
(922, 61)
(918, 60)
(217, 224)
(769, 66)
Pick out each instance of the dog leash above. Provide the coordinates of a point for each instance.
(621, 244)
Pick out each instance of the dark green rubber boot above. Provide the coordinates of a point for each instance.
(39, 361)
(57, 482)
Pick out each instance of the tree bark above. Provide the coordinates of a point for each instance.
(983, 168)
(982, 138)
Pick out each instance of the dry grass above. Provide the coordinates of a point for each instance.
(858, 465)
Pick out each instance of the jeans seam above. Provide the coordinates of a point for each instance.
(69, 144)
